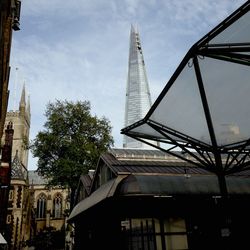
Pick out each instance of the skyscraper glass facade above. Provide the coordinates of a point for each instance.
(138, 100)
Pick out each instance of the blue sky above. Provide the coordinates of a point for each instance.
(78, 50)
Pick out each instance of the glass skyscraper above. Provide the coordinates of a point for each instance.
(138, 99)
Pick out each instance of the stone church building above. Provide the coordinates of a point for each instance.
(19, 209)
(32, 207)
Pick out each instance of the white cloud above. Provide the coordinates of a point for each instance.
(78, 49)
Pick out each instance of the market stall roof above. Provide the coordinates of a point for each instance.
(165, 185)
(204, 108)
(105, 191)
(160, 186)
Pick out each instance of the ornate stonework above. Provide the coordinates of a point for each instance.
(50, 204)
(19, 206)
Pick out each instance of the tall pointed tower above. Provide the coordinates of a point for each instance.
(17, 221)
(21, 124)
(138, 99)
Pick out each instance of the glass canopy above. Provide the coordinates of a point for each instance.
(204, 109)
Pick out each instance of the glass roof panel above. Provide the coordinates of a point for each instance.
(237, 32)
(227, 87)
(181, 107)
(146, 129)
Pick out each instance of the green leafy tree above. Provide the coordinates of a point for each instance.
(71, 142)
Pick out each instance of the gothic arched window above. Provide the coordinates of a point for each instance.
(57, 206)
(41, 206)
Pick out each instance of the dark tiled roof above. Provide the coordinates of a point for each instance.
(86, 181)
(36, 179)
(147, 161)
(151, 161)
(137, 152)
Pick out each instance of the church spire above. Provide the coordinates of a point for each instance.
(22, 104)
(28, 105)
(28, 108)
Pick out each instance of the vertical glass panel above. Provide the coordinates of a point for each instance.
(181, 108)
(57, 206)
(146, 234)
(175, 225)
(136, 224)
(142, 234)
(238, 32)
(158, 242)
(41, 206)
(136, 240)
(227, 87)
(176, 242)
(157, 226)
(149, 242)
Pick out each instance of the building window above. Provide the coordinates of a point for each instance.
(41, 206)
(19, 197)
(11, 195)
(175, 233)
(154, 234)
(8, 219)
(57, 206)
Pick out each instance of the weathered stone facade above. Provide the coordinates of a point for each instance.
(50, 204)
(33, 208)
(19, 207)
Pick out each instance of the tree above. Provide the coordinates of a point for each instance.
(71, 142)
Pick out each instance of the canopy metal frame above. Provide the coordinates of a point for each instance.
(223, 159)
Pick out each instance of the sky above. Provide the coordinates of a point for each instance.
(77, 50)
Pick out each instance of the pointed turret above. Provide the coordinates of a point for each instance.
(28, 109)
(24, 108)
(17, 169)
(22, 104)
